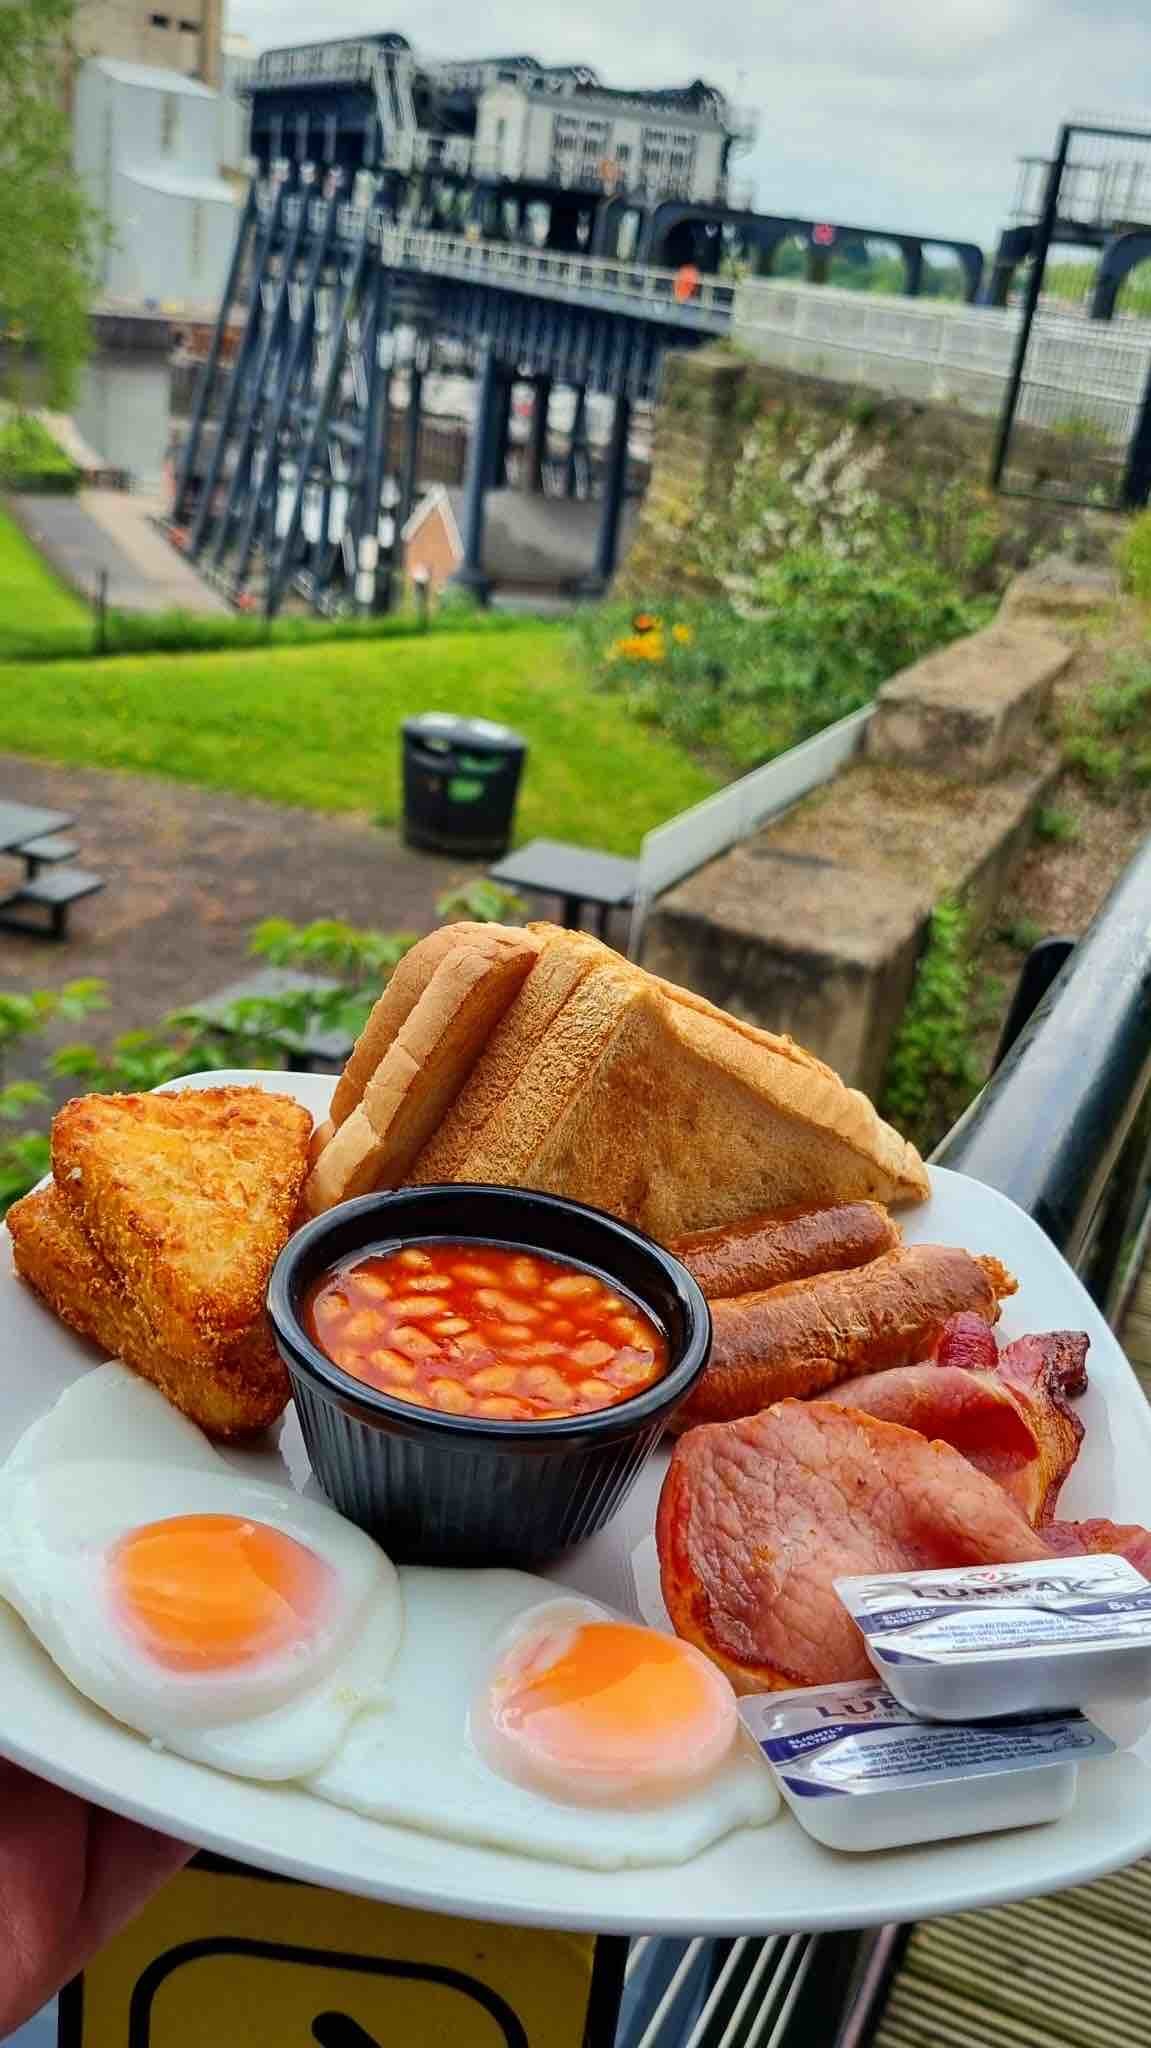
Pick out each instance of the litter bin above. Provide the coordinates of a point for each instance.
(461, 781)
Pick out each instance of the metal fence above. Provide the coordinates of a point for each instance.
(1063, 1129)
(1097, 449)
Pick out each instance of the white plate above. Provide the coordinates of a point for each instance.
(759, 1881)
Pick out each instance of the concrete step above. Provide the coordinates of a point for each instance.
(968, 710)
(814, 926)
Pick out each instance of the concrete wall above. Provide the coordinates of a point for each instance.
(928, 461)
(176, 35)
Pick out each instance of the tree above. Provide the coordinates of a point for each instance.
(49, 231)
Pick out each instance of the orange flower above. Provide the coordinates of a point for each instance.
(644, 622)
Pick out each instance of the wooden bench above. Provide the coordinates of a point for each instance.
(54, 893)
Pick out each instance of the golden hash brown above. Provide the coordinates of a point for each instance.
(246, 1389)
(190, 1198)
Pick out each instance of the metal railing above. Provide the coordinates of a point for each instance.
(634, 287)
(1064, 1129)
(637, 288)
(1088, 373)
(315, 63)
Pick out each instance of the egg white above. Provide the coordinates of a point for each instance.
(416, 1765)
(112, 1456)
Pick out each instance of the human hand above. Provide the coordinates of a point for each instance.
(71, 1875)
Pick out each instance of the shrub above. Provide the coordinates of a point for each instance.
(246, 1036)
(1134, 557)
(818, 636)
(30, 460)
(933, 1070)
(1058, 828)
(1108, 737)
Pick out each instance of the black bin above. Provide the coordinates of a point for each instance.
(461, 781)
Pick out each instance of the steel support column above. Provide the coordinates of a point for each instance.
(226, 424)
(537, 452)
(260, 514)
(470, 573)
(282, 567)
(247, 234)
(501, 431)
(372, 592)
(577, 441)
(409, 481)
(614, 492)
(278, 324)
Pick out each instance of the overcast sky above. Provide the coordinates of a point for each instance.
(872, 112)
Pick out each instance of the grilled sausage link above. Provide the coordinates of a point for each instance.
(791, 1244)
(804, 1338)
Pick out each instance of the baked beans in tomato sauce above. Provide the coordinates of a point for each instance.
(478, 1330)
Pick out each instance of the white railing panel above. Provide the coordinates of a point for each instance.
(673, 851)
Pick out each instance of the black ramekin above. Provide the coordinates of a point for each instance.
(454, 1488)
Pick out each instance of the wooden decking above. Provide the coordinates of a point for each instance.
(1073, 1971)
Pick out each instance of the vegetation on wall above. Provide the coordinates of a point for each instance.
(933, 1069)
(806, 586)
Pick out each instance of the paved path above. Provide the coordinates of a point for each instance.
(111, 531)
(189, 873)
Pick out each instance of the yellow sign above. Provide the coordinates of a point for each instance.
(231, 1958)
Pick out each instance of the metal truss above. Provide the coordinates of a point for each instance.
(289, 498)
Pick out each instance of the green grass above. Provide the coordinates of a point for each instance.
(41, 619)
(30, 460)
(318, 725)
(37, 614)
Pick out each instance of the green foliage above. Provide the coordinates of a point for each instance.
(49, 231)
(24, 1153)
(1134, 558)
(481, 902)
(1021, 933)
(30, 459)
(1108, 737)
(933, 1070)
(1057, 827)
(825, 632)
(253, 1033)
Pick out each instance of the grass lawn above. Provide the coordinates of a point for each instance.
(38, 615)
(318, 725)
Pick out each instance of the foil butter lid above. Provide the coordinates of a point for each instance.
(856, 1739)
(984, 1613)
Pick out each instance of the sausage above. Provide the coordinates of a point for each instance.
(790, 1244)
(805, 1337)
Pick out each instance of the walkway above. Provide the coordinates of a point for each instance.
(111, 532)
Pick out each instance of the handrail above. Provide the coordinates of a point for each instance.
(1050, 1126)
(639, 288)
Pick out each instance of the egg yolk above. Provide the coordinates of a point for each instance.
(606, 1709)
(209, 1592)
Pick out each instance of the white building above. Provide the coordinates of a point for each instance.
(546, 128)
(149, 145)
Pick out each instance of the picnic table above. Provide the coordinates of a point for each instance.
(305, 1049)
(50, 882)
(550, 867)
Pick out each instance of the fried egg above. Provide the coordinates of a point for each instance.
(225, 1618)
(544, 1724)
